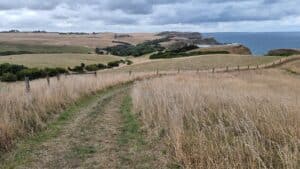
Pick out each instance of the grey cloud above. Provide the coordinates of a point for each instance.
(140, 13)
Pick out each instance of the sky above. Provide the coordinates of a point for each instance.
(150, 15)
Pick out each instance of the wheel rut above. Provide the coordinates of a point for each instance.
(87, 141)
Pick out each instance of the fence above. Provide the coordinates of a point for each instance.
(209, 70)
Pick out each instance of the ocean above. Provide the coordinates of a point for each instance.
(260, 42)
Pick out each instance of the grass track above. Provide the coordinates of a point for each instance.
(24, 150)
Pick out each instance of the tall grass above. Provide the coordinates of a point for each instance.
(22, 113)
(247, 120)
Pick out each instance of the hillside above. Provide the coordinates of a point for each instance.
(88, 40)
(198, 62)
(57, 60)
(232, 49)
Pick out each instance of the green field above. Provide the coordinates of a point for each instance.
(200, 62)
(57, 60)
(13, 47)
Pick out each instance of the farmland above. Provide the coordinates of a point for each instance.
(148, 114)
(251, 118)
(199, 62)
(90, 40)
(57, 60)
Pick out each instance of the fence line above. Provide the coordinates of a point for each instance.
(273, 64)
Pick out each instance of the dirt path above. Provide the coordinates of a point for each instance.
(87, 141)
(103, 134)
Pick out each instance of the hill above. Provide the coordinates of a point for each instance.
(57, 60)
(198, 62)
(232, 49)
(71, 39)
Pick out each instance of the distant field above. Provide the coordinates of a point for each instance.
(92, 41)
(200, 62)
(57, 60)
(37, 48)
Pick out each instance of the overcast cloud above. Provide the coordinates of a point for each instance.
(150, 15)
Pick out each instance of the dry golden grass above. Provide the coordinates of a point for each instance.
(57, 60)
(99, 40)
(199, 62)
(239, 120)
(293, 66)
(22, 113)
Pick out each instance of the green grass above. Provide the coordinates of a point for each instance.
(82, 152)
(131, 126)
(13, 47)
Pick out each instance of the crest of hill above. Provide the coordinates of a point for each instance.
(284, 52)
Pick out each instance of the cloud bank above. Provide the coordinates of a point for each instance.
(150, 15)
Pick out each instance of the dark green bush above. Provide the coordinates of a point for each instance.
(129, 62)
(9, 77)
(113, 64)
(78, 69)
(172, 54)
(101, 66)
(12, 72)
(91, 67)
(55, 71)
(137, 50)
(10, 68)
(95, 67)
(32, 73)
(6, 53)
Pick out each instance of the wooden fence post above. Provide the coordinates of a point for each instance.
(95, 73)
(227, 68)
(248, 67)
(238, 67)
(27, 85)
(213, 70)
(257, 66)
(58, 77)
(48, 80)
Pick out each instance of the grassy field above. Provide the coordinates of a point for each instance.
(22, 113)
(38, 48)
(98, 40)
(234, 120)
(293, 66)
(199, 62)
(57, 60)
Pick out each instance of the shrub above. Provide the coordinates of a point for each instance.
(78, 69)
(9, 77)
(113, 64)
(11, 68)
(92, 67)
(101, 66)
(172, 54)
(6, 53)
(129, 62)
(99, 51)
(55, 71)
(33, 73)
(136, 50)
